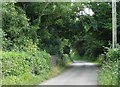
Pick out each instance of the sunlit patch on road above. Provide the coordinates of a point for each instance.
(82, 63)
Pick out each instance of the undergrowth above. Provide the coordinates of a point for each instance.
(109, 70)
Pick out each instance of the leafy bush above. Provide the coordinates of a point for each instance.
(113, 54)
(26, 68)
(15, 26)
(17, 63)
(108, 74)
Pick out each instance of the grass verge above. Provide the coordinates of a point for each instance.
(108, 73)
(31, 79)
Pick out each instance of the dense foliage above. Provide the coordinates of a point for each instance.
(32, 31)
(18, 63)
(47, 25)
(109, 72)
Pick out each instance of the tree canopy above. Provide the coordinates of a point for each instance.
(47, 25)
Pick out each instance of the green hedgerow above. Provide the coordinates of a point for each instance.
(15, 64)
(109, 71)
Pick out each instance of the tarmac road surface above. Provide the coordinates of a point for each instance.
(79, 73)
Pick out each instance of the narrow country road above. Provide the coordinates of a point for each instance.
(79, 73)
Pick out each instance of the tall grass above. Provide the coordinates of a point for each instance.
(109, 71)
